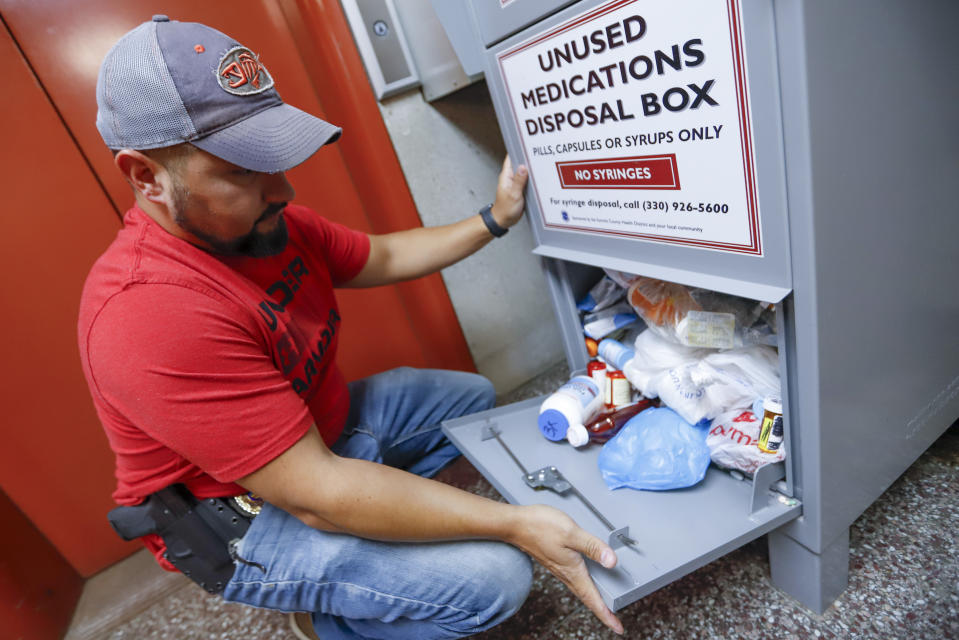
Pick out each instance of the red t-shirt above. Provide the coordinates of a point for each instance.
(204, 368)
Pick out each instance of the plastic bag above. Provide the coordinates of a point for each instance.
(743, 313)
(655, 355)
(604, 293)
(720, 382)
(732, 440)
(621, 278)
(656, 450)
(701, 383)
(698, 317)
(661, 304)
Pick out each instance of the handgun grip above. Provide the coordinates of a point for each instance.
(132, 522)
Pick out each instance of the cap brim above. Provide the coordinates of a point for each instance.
(273, 140)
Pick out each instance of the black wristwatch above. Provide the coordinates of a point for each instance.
(486, 213)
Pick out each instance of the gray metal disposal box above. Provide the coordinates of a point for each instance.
(797, 153)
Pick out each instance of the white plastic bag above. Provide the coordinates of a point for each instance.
(757, 365)
(701, 383)
(720, 382)
(654, 356)
(732, 441)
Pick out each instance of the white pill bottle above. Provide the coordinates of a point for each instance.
(574, 404)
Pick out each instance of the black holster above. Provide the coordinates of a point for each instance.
(198, 533)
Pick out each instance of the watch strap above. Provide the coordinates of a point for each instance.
(486, 213)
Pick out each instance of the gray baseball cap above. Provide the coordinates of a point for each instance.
(167, 82)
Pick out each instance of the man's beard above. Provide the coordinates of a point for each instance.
(254, 244)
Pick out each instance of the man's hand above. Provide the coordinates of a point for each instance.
(403, 255)
(509, 203)
(556, 542)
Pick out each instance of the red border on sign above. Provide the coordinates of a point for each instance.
(742, 103)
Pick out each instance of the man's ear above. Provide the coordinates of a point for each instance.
(149, 179)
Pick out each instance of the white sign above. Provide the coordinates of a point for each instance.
(634, 120)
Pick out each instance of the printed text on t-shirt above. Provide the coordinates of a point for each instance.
(313, 361)
(286, 287)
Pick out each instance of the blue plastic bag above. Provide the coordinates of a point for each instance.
(656, 450)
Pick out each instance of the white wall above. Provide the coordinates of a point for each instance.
(451, 151)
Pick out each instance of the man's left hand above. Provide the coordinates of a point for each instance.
(509, 204)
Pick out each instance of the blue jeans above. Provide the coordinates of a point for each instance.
(358, 588)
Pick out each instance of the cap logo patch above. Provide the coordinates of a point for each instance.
(241, 73)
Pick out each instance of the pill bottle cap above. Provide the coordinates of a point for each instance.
(577, 435)
(773, 404)
(553, 424)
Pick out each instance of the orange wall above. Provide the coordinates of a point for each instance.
(56, 221)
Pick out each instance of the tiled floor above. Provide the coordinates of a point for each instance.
(903, 582)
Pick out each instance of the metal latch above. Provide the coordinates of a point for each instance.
(550, 478)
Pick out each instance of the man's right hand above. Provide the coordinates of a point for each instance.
(555, 541)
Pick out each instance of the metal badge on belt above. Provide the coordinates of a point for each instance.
(249, 503)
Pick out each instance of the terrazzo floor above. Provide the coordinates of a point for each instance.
(903, 581)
